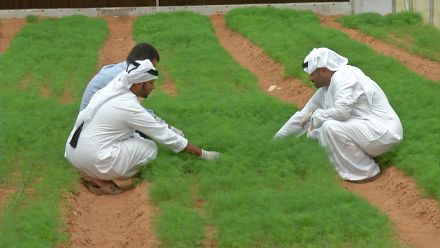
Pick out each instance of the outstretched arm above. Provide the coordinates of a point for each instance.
(299, 122)
(193, 149)
(206, 155)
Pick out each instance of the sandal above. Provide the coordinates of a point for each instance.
(109, 189)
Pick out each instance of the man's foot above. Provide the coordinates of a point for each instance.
(371, 179)
(101, 187)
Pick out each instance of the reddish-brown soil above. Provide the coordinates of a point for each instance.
(210, 239)
(8, 28)
(269, 73)
(112, 221)
(168, 87)
(119, 41)
(5, 193)
(417, 219)
(425, 67)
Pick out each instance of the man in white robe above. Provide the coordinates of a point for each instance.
(103, 143)
(349, 115)
(107, 73)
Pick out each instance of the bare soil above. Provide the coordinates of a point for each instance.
(8, 28)
(111, 221)
(5, 194)
(417, 219)
(269, 73)
(119, 41)
(425, 67)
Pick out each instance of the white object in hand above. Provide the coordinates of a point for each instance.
(210, 155)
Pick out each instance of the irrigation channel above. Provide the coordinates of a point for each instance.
(126, 220)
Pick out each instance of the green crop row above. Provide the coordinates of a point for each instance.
(405, 29)
(60, 54)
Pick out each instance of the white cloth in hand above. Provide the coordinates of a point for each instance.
(210, 155)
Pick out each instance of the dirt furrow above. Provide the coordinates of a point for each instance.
(427, 68)
(8, 28)
(112, 221)
(119, 41)
(417, 219)
(269, 73)
(6, 192)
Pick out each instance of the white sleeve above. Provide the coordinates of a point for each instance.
(291, 127)
(144, 122)
(343, 102)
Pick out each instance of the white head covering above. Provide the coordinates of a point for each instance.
(323, 57)
(138, 72)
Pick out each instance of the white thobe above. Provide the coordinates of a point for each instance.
(108, 147)
(353, 119)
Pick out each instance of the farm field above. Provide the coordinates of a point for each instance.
(262, 193)
(404, 29)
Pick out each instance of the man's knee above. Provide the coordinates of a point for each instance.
(330, 127)
(151, 150)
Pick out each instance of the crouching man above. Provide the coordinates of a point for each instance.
(103, 143)
(349, 115)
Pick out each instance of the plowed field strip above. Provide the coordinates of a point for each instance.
(417, 219)
(427, 68)
(8, 28)
(269, 73)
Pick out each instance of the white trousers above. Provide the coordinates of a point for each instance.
(126, 159)
(352, 144)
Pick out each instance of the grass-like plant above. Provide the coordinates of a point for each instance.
(288, 36)
(31, 18)
(56, 52)
(404, 29)
(59, 54)
(261, 193)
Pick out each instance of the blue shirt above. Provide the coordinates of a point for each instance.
(100, 80)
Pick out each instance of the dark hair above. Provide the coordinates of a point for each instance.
(142, 51)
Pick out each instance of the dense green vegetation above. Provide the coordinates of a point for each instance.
(405, 29)
(289, 35)
(55, 53)
(261, 193)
